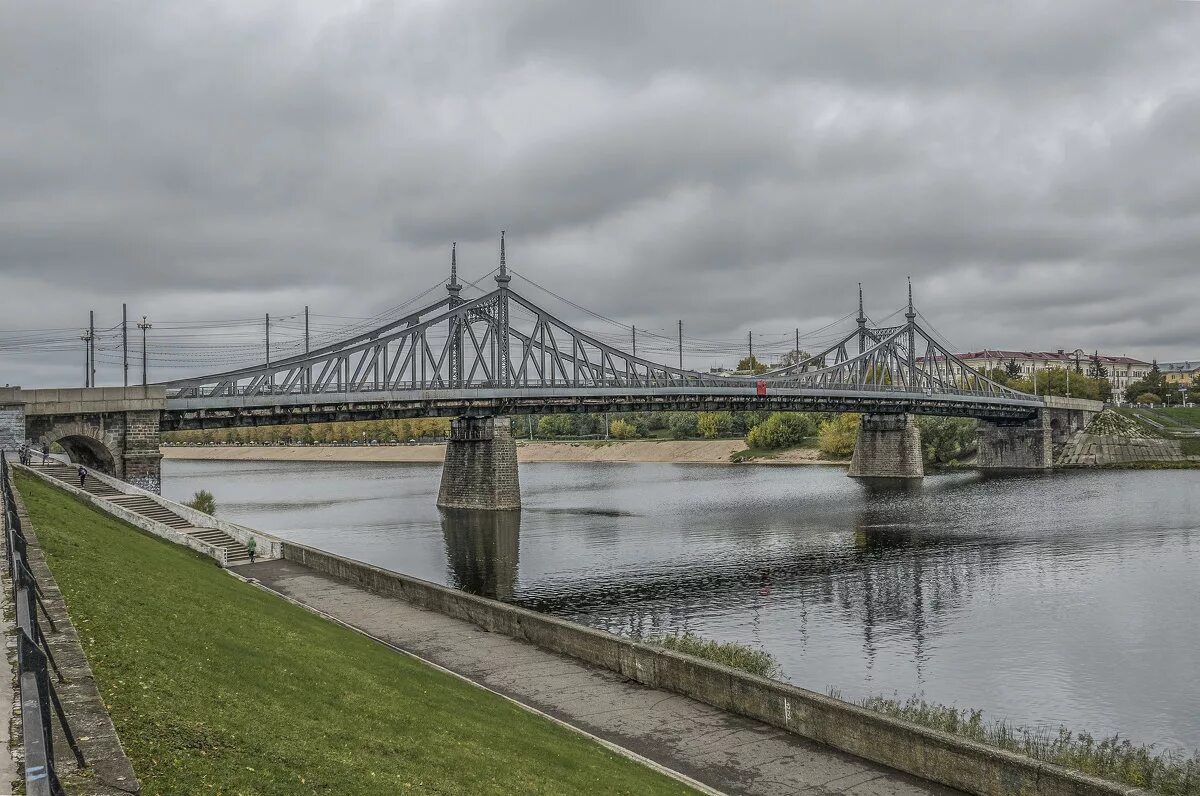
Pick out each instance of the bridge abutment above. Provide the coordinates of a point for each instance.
(114, 430)
(888, 446)
(12, 419)
(1015, 446)
(480, 470)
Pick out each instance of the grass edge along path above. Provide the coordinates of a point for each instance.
(219, 687)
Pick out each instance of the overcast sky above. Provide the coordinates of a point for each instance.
(1033, 166)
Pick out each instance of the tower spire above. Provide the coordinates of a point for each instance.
(911, 314)
(862, 322)
(502, 278)
(453, 287)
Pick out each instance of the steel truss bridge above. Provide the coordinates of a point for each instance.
(502, 354)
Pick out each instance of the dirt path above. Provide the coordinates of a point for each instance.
(715, 451)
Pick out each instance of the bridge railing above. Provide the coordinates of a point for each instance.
(34, 659)
(184, 393)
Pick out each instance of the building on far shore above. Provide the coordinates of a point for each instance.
(1183, 373)
(1121, 370)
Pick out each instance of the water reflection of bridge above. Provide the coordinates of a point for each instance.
(886, 574)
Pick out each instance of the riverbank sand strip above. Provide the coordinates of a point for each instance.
(727, 753)
(715, 451)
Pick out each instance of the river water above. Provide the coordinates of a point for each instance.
(1071, 598)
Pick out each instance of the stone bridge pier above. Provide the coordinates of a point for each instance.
(480, 470)
(114, 430)
(888, 446)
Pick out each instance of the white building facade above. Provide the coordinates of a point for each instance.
(1121, 369)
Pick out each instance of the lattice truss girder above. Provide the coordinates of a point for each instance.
(460, 345)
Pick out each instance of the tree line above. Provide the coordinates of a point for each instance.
(944, 440)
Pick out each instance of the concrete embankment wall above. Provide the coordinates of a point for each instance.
(935, 756)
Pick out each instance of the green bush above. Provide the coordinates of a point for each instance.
(622, 429)
(683, 425)
(203, 501)
(946, 439)
(555, 426)
(782, 430)
(838, 435)
(714, 424)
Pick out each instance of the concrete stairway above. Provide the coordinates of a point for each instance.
(235, 552)
(70, 475)
(140, 504)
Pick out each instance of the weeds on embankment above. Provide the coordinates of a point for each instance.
(726, 653)
(1114, 758)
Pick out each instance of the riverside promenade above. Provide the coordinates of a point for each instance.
(722, 752)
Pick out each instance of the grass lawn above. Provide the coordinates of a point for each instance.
(217, 687)
(1184, 416)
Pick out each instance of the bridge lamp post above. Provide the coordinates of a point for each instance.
(144, 325)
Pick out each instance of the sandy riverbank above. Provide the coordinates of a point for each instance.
(673, 451)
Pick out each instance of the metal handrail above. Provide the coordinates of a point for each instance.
(34, 659)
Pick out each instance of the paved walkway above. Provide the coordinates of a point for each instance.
(724, 752)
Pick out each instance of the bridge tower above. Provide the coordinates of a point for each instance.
(480, 469)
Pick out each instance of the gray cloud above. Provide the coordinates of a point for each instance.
(1030, 165)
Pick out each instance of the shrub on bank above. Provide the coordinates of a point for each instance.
(727, 653)
(838, 434)
(203, 501)
(781, 430)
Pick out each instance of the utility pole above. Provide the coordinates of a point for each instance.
(144, 325)
(125, 343)
(308, 370)
(87, 359)
(797, 345)
(751, 351)
(634, 328)
(270, 378)
(92, 342)
(681, 345)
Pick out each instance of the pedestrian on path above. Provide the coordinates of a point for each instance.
(45, 453)
(252, 548)
(82, 475)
